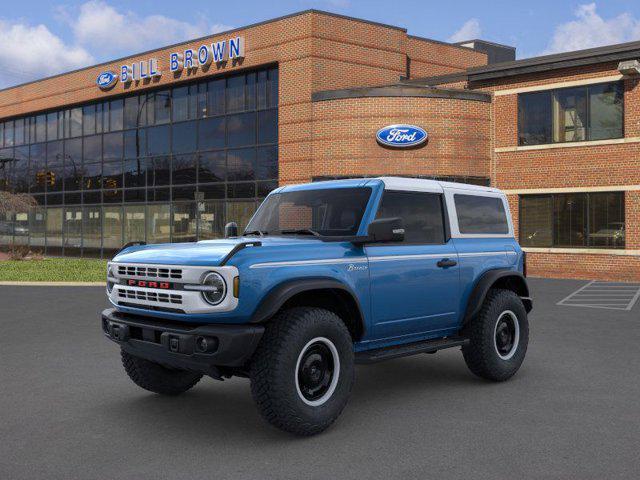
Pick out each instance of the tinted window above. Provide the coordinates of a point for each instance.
(534, 118)
(184, 137)
(594, 220)
(131, 111)
(590, 112)
(158, 140)
(211, 133)
(212, 167)
(606, 112)
(481, 215)
(217, 138)
(115, 115)
(421, 214)
(241, 129)
(330, 211)
(112, 146)
(268, 126)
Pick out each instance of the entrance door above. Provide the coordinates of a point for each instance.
(415, 283)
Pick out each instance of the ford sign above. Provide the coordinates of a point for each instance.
(106, 80)
(401, 136)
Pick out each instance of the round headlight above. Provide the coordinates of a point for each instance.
(217, 288)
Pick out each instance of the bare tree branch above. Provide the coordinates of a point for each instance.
(16, 202)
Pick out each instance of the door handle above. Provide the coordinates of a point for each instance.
(446, 262)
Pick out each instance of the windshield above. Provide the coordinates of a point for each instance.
(321, 212)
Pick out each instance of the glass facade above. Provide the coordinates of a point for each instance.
(573, 220)
(173, 164)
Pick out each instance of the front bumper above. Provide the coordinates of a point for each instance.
(181, 345)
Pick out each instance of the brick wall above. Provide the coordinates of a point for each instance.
(584, 266)
(344, 137)
(570, 167)
(429, 58)
(315, 51)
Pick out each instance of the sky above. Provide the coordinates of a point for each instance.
(39, 38)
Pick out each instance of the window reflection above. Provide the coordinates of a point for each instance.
(211, 223)
(92, 230)
(579, 220)
(184, 222)
(216, 139)
(112, 228)
(158, 223)
(72, 230)
(134, 223)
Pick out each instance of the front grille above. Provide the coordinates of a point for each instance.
(152, 307)
(149, 272)
(149, 296)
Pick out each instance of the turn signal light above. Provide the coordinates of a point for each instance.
(236, 287)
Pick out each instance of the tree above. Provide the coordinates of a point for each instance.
(16, 202)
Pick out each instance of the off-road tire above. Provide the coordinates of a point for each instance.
(156, 378)
(481, 354)
(274, 383)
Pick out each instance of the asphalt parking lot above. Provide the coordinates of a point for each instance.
(68, 411)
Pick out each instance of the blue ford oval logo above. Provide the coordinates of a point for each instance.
(106, 80)
(401, 136)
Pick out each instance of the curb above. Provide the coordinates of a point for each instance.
(54, 284)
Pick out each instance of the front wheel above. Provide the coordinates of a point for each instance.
(498, 337)
(157, 378)
(302, 371)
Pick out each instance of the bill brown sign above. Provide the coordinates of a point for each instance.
(189, 59)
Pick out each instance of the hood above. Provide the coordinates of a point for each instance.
(204, 253)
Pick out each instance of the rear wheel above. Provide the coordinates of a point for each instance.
(157, 378)
(498, 337)
(302, 371)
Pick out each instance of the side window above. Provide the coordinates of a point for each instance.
(481, 215)
(421, 214)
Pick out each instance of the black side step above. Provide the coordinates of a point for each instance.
(396, 351)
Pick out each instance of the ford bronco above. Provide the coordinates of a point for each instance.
(324, 276)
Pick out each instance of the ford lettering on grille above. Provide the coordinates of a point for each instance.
(149, 284)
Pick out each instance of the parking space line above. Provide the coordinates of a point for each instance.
(597, 294)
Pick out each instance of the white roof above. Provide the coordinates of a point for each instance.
(424, 185)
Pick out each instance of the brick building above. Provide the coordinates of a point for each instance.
(170, 144)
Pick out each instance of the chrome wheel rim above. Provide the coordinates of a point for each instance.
(506, 335)
(317, 371)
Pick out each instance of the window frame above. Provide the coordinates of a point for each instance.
(587, 227)
(443, 211)
(552, 92)
(73, 192)
(453, 213)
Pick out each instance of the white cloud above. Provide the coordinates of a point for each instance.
(469, 31)
(29, 52)
(98, 32)
(107, 31)
(589, 29)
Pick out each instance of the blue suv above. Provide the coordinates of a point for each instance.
(324, 276)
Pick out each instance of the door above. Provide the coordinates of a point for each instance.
(414, 283)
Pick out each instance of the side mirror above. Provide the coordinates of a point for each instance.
(386, 230)
(231, 230)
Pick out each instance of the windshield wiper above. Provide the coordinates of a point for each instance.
(301, 231)
(255, 232)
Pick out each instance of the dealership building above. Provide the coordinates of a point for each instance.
(170, 144)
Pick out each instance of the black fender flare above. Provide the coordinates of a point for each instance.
(278, 296)
(510, 279)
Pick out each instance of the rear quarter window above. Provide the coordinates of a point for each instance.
(481, 215)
